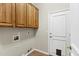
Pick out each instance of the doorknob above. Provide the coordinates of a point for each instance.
(50, 36)
(50, 33)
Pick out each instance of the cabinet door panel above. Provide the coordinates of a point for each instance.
(29, 15)
(36, 18)
(32, 15)
(1, 12)
(5, 14)
(8, 8)
(21, 15)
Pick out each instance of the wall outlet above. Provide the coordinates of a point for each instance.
(16, 36)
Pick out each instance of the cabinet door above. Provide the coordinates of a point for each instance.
(6, 14)
(35, 17)
(30, 15)
(36, 20)
(20, 15)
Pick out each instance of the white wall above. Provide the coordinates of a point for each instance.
(75, 27)
(10, 47)
(42, 33)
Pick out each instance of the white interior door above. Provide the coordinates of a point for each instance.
(59, 33)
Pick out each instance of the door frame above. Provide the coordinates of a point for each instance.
(49, 15)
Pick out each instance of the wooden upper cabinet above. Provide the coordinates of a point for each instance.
(20, 15)
(32, 16)
(6, 14)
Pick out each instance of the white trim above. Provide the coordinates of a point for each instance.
(58, 11)
(48, 34)
(75, 50)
